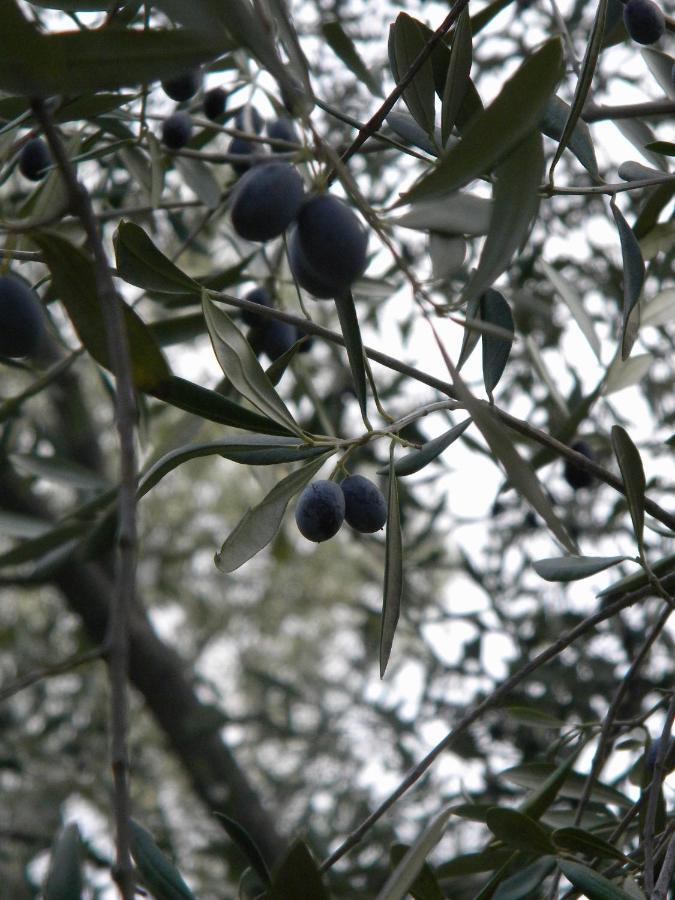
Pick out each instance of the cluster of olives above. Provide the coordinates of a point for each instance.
(22, 322)
(327, 244)
(324, 505)
(270, 336)
(644, 21)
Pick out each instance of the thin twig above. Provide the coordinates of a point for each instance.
(663, 884)
(43, 672)
(125, 414)
(598, 113)
(377, 119)
(654, 790)
(494, 699)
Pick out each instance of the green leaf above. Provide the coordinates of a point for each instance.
(72, 273)
(660, 310)
(460, 213)
(17, 525)
(633, 280)
(537, 803)
(518, 830)
(522, 884)
(487, 14)
(661, 66)
(343, 47)
(573, 568)
(60, 470)
(584, 82)
(399, 882)
(472, 863)
(240, 365)
(519, 472)
(37, 548)
(577, 840)
(535, 718)
(418, 459)
(141, 263)
(580, 142)
(664, 566)
(419, 96)
(496, 311)
(574, 304)
(260, 524)
(640, 135)
(64, 878)
(515, 204)
(406, 128)
(425, 886)
(158, 873)
(349, 326)
(33, 64)
(178, 329)
(246, 844)
(297, 875)
(393, 569)
(590, 883)
(250, 450)
(458, 75)
(633, 475)
(625, 373)
(447, 255)
(493, 133)
(213, 406)
(533, 775)
(199, 177)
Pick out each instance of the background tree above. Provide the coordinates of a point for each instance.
(257, 714)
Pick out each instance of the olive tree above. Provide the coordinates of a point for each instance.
(288, 289)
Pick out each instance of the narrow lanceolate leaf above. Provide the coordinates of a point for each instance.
(64, 878)
(580, 141)
(518, 830)
(625, 373)
(633, 475)
(495, 310)
(633, 280)
(72, 273)
(297, 875)
(349, 325)
(393, 570)
(534, 718)
(159, 874)
(590, 883)
(141, 263)
(460, 213)
(457, 79)
(247, 845)
(523, 883)
(37, 548)
(574, 568)
(240, 365)
(418, 459)
(403, 876)
(515, 204)
(199, 177)
(343, 47)
(211, 405)
(419, 96)
(494, 132)
(425, 886)
(577, 840)
(104, 59)
(574, 304)
(661, 568)
(537, 803)
(520, 474)
(250, 450)
(584, 83)
(661, 67)
(261, 523)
